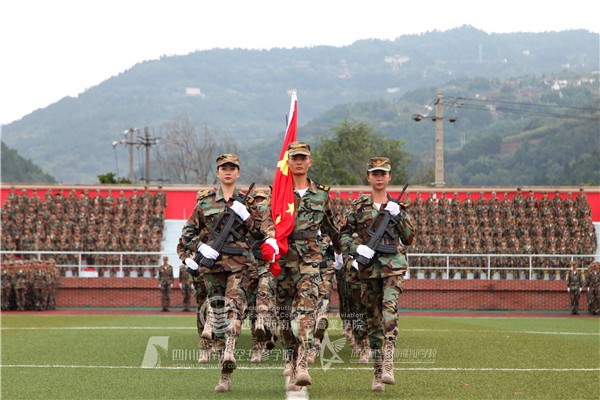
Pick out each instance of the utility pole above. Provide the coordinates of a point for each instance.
(130, 140)
(439, 137)
(146, 141)
(439, 142)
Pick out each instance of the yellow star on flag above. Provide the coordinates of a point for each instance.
(282, 164)
(290, 209)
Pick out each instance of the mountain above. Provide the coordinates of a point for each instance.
(16, 169)
(245, 93)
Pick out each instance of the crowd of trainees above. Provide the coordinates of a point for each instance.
(29, 285)
(517, 225)
(84, 222)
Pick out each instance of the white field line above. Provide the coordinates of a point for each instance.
(280, 368)
(92, 328)
(300, 395)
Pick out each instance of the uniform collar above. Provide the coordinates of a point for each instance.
(219, 195)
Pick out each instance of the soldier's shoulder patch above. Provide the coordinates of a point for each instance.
(259, 195)
(202, 194)
(361, 198)
(322, 187)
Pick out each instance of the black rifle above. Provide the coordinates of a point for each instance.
(385, 227)
(227, 220)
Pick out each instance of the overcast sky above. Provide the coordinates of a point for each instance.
(50, 49)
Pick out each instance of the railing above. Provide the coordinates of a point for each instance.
(81, 266)
(483, 269)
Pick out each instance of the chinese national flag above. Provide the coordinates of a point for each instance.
(282, 198)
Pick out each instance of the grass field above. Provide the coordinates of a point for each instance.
(153, 357)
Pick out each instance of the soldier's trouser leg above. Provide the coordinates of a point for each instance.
(382, 318)
(358, 309)
(165, 293)
(286, 291)
(39, 299)
(322, 309)
(574, 295)
(185, 296)
(228, 298)
(251, 301)
(20, 299)
(265, 303)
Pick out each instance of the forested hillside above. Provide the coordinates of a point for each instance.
(244, 94)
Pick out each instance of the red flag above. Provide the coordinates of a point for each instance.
(282, 198)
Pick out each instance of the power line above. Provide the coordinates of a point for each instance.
(541, 110)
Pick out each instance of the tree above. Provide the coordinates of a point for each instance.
(110, 178)
(342, 159)
(188, 153)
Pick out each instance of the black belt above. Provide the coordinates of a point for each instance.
(300, 235)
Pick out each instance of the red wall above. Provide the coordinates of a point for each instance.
(181, 199)
(418, 294)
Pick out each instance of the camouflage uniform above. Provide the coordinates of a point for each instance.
(227, 279)
(298, 283)
(40, 287)
(165, 281)
(592, 281)
(7, 289)
(185, 284)
(575, 284)
(381, 278)
(20, 286)
(261, 293)
(200, 294)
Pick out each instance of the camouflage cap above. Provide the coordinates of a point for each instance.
(228, 158)
(298, 148)
(379, 163)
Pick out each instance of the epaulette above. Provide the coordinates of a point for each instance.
(322, 187)
(260, 193)
(204, 193)
(362, 198)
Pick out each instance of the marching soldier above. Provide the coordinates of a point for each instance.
(165, 282)
(298, 283)
(226, 279)
(381, 276)
(261, 296)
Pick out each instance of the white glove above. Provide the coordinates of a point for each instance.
(339, 261)
(240, 210)
(365, 251)
(191, 264)
(273, 243)
(355, 265)
(208, 252)
(393, 208)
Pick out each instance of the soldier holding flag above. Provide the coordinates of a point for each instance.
(298, 283)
